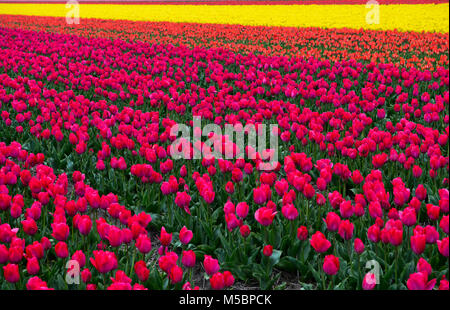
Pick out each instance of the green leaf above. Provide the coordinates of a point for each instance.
(165, 285)
(289, 263)
(314, 272)
(341, 285)
(280, 287)
(216, 215)
(306, 252)
(204, 249)
(275, 258)
(354, 190)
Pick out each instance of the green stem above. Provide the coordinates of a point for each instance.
(359, 272)
(132, 262)
(266, 235)
(321, 273)
(396, 265)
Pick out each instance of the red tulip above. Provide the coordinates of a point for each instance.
(421, 192)
(236, 175)
(373, 233)
(143, 244)
(265, 216)
(346, 209)
(424, 266)
(331, 265)
(60, 231)
(141, 270)
(408, 216)
(211, 265)
(185, 235)
(443, 285)
(418, 243)
(281, 187)
(319, 242)
(309, 191)
(357, 178)
(302, 233)
(375, 209)
(332, 220)
(33, 266)
(244, 231)
(346, 230)
(29, 226)
(369, 281)
(444, 224)
(80, 258)
(46, 243)
(395, 236)
(61, 249)
(188, 259)
(431, 234)
(217, 281)
(104, 261)
(419, 281)
(443, 246)
(358, 246)
(11, 273)
(268, 250)
(165, 238)
(379, 160)
(84, 225)
(433, 212)
(34, 283)
(86, 275)
(417, 172)
(242, 209)
(289, 212)
(229, 187)
(4, 255)
(175, 274)
(259, 195)
(15, 254)
(166, 262)
(183, 200)
(114, 236)
(228, 278)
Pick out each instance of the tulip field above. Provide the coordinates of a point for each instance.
(354, 197)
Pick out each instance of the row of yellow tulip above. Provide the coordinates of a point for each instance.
(416, 17)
